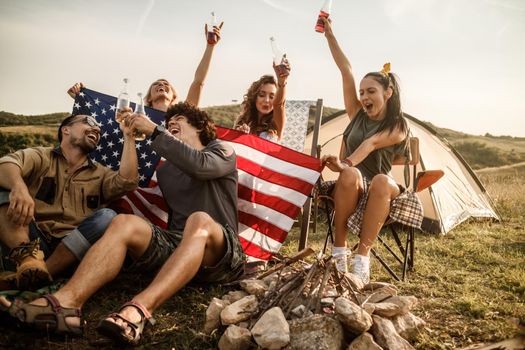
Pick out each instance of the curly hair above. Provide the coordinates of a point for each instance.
(147, 99)
(250, 115)
(196, 118)
(394, 115)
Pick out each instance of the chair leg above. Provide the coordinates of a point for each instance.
(329, 222)
(385, 265)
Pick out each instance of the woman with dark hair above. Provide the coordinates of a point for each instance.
(263, 112)
(364, 191)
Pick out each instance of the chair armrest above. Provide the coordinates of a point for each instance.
(426, 179)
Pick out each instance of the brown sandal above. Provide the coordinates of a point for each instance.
(51, 317)
(118, 333)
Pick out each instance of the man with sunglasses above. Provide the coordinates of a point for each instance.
(51, 202)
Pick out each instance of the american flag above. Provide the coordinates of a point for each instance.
(274, 181)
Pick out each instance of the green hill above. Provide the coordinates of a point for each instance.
(20, 131)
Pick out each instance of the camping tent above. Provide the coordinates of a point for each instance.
(458, 196)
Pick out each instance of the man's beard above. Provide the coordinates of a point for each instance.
(84, 144)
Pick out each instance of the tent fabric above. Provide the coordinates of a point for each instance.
(457, 196)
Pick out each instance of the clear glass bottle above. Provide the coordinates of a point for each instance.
(325, 12)
(122, 101)
(139, 109)
(278, 57)
(212, 37)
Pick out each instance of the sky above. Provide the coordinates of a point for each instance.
(461, 62)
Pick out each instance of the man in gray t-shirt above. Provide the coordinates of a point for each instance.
(199, 182)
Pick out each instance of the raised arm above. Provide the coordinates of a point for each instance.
(377, 141)
(194, 93)
(128, 161)
(75, 89)
(352, 104)
(279, 110)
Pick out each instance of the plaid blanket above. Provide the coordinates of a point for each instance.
(405, 209)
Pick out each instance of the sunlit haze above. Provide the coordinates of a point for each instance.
(461, 62)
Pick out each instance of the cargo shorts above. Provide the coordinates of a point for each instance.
(164, 242)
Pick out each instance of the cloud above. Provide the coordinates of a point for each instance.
(144, 17)
(279, 7)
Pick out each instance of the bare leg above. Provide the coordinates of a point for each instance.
(60, 259)
(203, 243)
(102, 263)
(381, 192)
(347, 191)
(10, 234)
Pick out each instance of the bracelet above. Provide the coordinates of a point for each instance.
(281, 86)
(347, 162)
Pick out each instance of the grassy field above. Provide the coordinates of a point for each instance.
(470, 285)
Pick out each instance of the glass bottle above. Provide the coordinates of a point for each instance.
(139, 109)
(212, 37)
(278, 57)
(122, 101)
(325, 12)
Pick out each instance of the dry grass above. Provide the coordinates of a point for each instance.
(470, 284)
(33, 129)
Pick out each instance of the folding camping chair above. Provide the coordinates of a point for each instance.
(403, 254)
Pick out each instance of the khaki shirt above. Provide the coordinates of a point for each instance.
(62, 199)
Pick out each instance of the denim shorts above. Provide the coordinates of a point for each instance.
(164, 242)
(78, 240)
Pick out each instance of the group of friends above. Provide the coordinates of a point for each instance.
(54, 220)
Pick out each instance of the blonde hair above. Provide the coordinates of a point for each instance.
(147, 99)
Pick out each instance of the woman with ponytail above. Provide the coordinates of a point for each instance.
(364, 191)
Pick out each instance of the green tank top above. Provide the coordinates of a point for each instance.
(380, 160)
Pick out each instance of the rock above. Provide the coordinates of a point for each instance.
(235, 338)
(240, 310)
(317, 332)
(407, 325)
(354, 318)
(213, 314)
(327, 301)
(272, 331)
(369, 308)
(300, 310)
(271, 278)
(386, 309)
(381, 295)
(374, 286)
(254, 287)
(355, 282)
(234, 295)
(364, 342)
(405, 302)
(386, 336)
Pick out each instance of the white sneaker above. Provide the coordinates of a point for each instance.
(341, 262)
(361, 268)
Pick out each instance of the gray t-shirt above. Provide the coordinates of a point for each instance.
(193, 180)
(380, 160)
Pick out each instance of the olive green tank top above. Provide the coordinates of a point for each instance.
(380, 160)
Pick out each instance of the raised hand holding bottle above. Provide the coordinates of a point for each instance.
(122, 101)
(212, 36)
(139, 109)
(325, 12)
(279, 58)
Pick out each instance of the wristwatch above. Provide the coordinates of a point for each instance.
(159, 129)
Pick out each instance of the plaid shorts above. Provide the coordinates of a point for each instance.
(164, 242)
(405, 209)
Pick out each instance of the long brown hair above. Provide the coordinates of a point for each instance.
(394, 115)
(250, 115)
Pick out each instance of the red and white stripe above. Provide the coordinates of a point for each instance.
(274, 183)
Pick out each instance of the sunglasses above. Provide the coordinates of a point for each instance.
(86, 120)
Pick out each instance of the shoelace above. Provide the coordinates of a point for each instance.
(24, 250)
